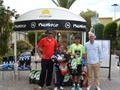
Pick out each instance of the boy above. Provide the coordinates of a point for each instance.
(78, 51)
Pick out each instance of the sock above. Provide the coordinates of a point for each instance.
(74, 84)
(78, 85)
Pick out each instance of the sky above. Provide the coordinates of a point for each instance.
(103, 7)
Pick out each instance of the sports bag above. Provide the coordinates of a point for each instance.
(83, 79)
(72, 64)
(34, 76)
(37, 77)
(67, 80)
(63, 68)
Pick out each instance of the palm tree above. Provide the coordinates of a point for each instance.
(65, 4)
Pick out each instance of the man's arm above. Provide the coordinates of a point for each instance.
(39, 46)
(84, 54)
(39, 53)
(100, 53)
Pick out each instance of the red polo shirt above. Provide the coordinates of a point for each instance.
(48, 47)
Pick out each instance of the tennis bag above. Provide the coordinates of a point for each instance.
(73, 70)
(83, 79)
(72, 64)
(67, 80)
(34, 76)
(63, 68)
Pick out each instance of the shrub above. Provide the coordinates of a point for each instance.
(118, 38)
(31, 37)
(41, 36)
(109, 31)
(23, 44)
(98, 30)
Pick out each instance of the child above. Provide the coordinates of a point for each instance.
(77, 50)
(57, 58)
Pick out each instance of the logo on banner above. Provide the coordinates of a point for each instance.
(33, 25)
(20, 26)
(48, 25)
(79, 26)
(67, 25)
(45, 14)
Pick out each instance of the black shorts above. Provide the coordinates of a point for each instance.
(79, 70)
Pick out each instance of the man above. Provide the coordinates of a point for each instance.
(77, 50)
(94, 59)
(48, 46)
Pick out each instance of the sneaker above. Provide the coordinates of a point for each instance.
(98, 88)
(61, 88)
(55, 88)
(48, 87)
(88, 88)
(73, 87)
(39, 88)
(79, 88)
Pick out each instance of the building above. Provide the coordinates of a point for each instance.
(117, 21)
(105, 20)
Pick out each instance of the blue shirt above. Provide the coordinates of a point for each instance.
(94, 52)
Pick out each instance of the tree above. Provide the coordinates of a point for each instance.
(65, 4)
(42, 35)
(6, 26)
(31, 37)
(22, 45)
(98, 30)
(118, 38)
(109, 32)
(87, 16)
(118, 31)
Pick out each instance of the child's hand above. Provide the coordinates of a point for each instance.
(62, 60)
(53, 60)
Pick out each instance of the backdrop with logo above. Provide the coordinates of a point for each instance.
(58, 19)
(55, 18)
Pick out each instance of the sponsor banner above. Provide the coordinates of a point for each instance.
(53, 24)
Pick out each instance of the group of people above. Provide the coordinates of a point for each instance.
(91, 52)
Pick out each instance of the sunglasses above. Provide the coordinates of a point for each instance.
(50, 33)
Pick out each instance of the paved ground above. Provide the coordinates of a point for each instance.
(9, 83)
